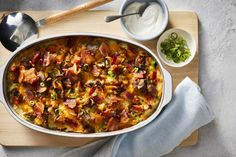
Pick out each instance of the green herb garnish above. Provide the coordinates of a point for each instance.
(153, 66)
(68, 92)
(175, 48)
(136, 69)
(56, 111)
(42, 84)
(53, 95)
(154, 63)
(94, 94)
(32, 102)
(111, 74)
(133, 114)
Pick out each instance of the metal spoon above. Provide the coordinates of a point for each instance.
(18, 27)
(139, 12)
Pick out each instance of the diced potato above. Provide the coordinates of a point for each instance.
(38, 121)
(101, 106)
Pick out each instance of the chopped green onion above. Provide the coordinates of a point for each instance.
(94, 94)
(136, 69)
(111, 74)
(42, 84)
(69, 91)
(175, 48)
(133, 114)
(56, 110)
(53, 95)
(85, 67)
(32, 102)
(154, 63)
(174, 35)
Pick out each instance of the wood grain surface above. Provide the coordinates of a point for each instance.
(14, 134)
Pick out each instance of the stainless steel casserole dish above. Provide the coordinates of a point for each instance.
(166, 96)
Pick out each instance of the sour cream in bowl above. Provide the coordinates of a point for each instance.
(148, 26)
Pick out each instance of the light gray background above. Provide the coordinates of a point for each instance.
(217, 41)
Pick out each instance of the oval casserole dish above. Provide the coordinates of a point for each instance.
(164, 99)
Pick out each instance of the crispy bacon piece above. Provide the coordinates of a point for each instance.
(60, 58)
(76, 59)
(137, 108)
(53, 48)
(138, 83)
(36, 57)
(53, 57)
(130, 55)
(140, 61)
(13, 77)
(41, 89)
(113, 124)
(135, 99)
(74, 69)
(96, 94)
(152, 89)
(79, 84)
(98, 99)
(98, 119)
(140, 74)
(71, 103)
(95, 71)
(72, 77)
(28, 94)
(71, 122)
(115, 99)
(92, 47)
(57, 83)
(41, 75)
(39, 108)
(28, 76)
(14, 68)
(67, 83)
(124, 117)
(114, 58)
(108, 113)
(87, 57)
(89, 103)
(16, 100)
(129, 95)
(117, 68)
(104, 49)
(153, 75)
(70, 42)
(61, 119)
(92, 90)
(46, 59)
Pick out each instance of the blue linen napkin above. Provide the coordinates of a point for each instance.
(2, 153)
(187, 111)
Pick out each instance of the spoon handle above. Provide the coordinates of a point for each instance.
(86, 6)
(115, 17)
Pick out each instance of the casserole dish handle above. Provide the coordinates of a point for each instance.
(168, 87)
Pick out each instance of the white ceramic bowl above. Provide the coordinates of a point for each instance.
(154, 34)
(190, 42)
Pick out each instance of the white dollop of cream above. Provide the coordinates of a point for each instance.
(151, 21)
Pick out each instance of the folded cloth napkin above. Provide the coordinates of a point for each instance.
(187, 111)
(2, 154)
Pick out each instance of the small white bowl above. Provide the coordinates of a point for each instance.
(154, 35)
(190, 42)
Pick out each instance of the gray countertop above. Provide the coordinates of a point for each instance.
(217, 41)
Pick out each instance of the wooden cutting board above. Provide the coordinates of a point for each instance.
(14, 134)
